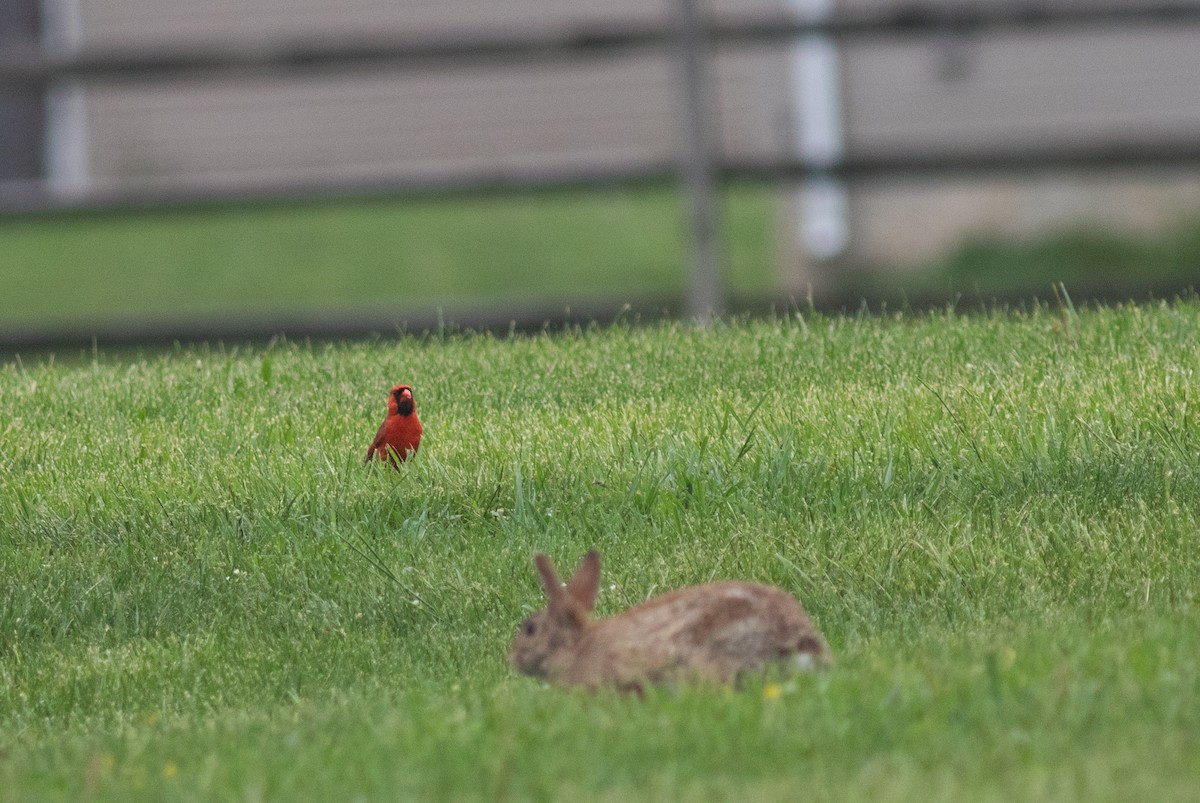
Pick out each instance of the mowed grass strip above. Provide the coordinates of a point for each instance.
(368, 259)
(992, 518)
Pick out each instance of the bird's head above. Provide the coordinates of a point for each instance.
(400, 401)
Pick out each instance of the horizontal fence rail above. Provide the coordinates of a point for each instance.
(32, 199)
(31, 65)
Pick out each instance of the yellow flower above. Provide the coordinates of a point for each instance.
(170, 770)
(772, 691)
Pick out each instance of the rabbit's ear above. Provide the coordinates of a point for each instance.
(554, 590)
(585, 583)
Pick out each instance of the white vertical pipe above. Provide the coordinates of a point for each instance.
(67, 163)
(819, 136)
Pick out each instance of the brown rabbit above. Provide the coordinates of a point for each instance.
(709, 632)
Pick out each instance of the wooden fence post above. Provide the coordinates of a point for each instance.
(698, 166)
(22, 119)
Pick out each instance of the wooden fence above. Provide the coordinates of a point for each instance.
(690, 34)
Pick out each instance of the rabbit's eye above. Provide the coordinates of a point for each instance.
(529, 627)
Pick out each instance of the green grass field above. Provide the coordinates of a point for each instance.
(389, 260)
(994, 519)
(1087, 258)
(367, 259)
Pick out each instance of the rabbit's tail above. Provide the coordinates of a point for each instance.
(808, 654)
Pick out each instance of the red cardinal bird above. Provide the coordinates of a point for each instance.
(400, 433)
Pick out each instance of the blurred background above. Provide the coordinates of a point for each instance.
(208, 168)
